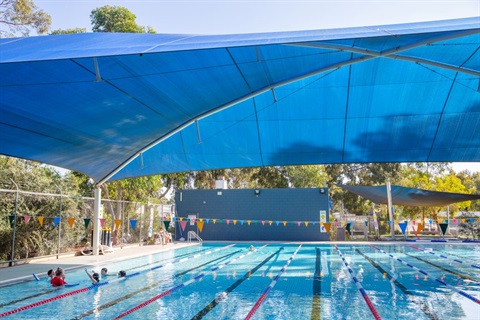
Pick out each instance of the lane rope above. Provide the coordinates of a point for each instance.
(100, 284)
(223, 295)
(442, 256)
(272, 284)
(184, 284)
(38, 294)
(151, 286)
(461, 292)
(370, 305)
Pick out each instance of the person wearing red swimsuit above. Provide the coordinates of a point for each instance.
(59, 279)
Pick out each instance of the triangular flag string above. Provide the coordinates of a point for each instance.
(200, 225)
(40, 220)
(71, 221)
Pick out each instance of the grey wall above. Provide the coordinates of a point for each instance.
(271, 204)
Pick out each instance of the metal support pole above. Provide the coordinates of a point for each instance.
(12, 257)
(390, 211)
(123, 229)
(96, 221)
(60, 222)
(141, 226)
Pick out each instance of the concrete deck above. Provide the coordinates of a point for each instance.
(19, 273)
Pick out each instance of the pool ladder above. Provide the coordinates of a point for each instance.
(193, 234)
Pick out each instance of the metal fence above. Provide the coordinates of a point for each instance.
(34, 224)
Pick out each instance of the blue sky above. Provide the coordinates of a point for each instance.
(252, 16)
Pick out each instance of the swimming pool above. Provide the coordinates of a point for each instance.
(274, 281)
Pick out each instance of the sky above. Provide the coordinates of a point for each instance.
(255, 16)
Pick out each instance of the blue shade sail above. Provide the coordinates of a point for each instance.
(410, 196)
(115, 106)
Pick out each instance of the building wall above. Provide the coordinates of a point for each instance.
(280, 205)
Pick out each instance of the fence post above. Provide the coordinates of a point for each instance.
(60, 222)
(12, 257)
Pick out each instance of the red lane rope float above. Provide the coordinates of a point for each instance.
(71, 293)
(269, 288)
(184, 284)
(461, 292)
(359, 287)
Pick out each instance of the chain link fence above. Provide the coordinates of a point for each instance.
(36, 224)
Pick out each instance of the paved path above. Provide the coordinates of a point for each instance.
(40, 267)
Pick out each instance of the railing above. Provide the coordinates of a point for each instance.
(193, 234)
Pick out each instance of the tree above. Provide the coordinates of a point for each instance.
(68, 31)
(116, 19)
(21, 17)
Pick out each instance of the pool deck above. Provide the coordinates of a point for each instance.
(23, 272)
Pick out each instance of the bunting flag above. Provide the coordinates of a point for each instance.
(214, 221)
(40, 220)
(382, 222)
(366, 223)
(71, 221)
(454, 220)
(234, 221)
(86, 221)
(56, 221)
(181, 219)
(463, 220)
(228, 221)
(298, 223)
(102, 222)
(306, 223)
(183, 224)
(420, 227)
(403, 227)
(207, 220)
(167, 224)
(26, 219)
(133, 223)
(284, 223)
(277, 222)
(430, 221)
(327, 226)
(270, 222)
(263, 222)
(248, 222)
(200, 225)
(200, 219)
(471, 220)
(11, 218)
(117, 224)
(336, 223)
(443, 227)
(241, 222)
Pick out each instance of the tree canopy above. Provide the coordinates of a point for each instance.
(20, 17)
(116, 19)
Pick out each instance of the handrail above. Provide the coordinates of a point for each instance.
(195, 235)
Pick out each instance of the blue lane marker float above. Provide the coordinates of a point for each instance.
(359, 287)
(445, 257)
(103, 283)
(184, 284)
(270, 287)
(461, 292)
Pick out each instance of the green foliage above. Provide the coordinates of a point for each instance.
(69, 31)
(20, 17)
(116, 19)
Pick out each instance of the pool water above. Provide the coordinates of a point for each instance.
(274, 281)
